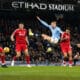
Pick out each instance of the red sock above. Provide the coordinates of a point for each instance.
(3, 59)
(70, 61)
(14, 58)
(28, 59)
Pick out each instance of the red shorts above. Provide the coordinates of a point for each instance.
(21, 47)
(66, 49)
(1, 50)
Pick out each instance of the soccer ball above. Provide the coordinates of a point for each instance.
(6, 49)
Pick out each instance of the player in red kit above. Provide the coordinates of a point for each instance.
(21, 43)
(66, 47)
(2, 57)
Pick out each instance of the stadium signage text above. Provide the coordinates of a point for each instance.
(43, 6)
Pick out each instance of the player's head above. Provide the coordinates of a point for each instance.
(21, 25)
(53, 24)
(67, 30)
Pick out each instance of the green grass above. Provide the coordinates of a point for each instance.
(40, 73)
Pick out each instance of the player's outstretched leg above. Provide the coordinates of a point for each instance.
(50, 39)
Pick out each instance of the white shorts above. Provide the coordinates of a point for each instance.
(54, 40)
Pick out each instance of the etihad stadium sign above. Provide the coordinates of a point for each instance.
(42, 6)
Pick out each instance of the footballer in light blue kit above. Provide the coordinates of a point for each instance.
(55, 30)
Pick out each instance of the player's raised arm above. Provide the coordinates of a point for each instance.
(43, 22)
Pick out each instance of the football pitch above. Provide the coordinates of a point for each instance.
(40, 73)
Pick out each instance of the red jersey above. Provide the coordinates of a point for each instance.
(20, 36)
(67, 40)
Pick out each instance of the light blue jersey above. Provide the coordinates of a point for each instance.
(55, 31)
